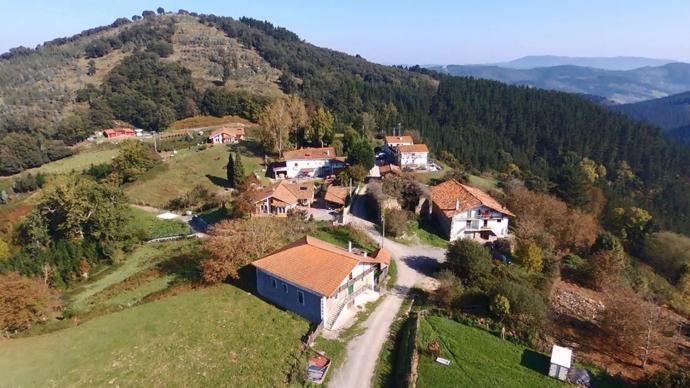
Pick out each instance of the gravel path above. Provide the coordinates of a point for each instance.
(414, 263)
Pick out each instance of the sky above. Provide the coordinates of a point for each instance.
(406, 32)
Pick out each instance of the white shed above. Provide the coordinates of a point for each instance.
(561, 360)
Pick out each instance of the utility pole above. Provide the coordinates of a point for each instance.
(383, 229)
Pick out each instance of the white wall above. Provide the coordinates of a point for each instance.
(413, 159)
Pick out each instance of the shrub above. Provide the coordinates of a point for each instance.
(449, 289)
(396, 222)
(574, 266)
(531, 256)
(500, 307)
(469, 260)
(526, 305)
(24, 301)
(99, 171)
(674, 378)
(28, 182)
(668, 253)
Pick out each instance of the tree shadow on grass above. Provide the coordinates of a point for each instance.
(536, 361)
(184, 266)
(218, 181)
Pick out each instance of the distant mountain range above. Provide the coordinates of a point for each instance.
(604, 63)
(619, 86)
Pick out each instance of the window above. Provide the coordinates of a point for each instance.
(469, 223)
(274, 283)
(300, 297)
(285, 288)
(486, 222)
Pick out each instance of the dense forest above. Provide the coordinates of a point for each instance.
(484, 124)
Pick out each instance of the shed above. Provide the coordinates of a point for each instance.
(561, 360)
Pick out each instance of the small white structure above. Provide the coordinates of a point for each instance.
(561, 360)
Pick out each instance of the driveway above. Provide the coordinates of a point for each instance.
(414, 263)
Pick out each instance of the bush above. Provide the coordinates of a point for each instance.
(24, 301)
(676, 378)
(162, 48)
(526, 305)
(500, 307)
(396, 222)
(469, 260)
(100, 171)
(574, 266)
(530, 256)
(449, 289)
(28, 182)
(668, 253)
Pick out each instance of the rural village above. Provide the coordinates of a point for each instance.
(261, 239)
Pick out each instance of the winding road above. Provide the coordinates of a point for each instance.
(415, 263)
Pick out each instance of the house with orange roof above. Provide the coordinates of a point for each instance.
(226, 135)
(336, 195)
(281, 197)
(463, 211)
(308, 162)
(318, 280)
(414, 156)
(118, 132)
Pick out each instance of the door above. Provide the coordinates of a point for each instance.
(350, 289)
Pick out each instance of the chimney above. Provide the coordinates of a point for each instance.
(328, 152)
(457, 204)
(365, 254)
(349, 246)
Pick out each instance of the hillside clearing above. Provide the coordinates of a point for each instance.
(78, 162)
(217, 336)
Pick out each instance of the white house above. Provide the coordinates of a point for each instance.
(308, 162)
(466, 212)
(318, 280)
(281, 197)
(227, 135)
(412, 156)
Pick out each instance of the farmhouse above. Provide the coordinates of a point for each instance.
(318, 280)
(414, 156)
(281, 197)
(308, 162)
(467, 212)
(227, 135)
(119, 132)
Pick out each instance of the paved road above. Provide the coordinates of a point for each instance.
(414, 264)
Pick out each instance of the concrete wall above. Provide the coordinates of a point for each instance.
(311, 309)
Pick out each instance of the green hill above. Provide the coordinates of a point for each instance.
(206, 337)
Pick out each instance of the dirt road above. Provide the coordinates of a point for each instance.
(415, 263)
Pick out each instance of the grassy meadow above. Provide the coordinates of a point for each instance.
(217, 336)
(478, 359)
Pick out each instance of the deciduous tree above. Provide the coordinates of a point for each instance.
(24, 301)
(469, 260)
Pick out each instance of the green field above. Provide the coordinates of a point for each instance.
(184, 171)
(147, 226)
(479, 359)
(78, 162)
(217, 336)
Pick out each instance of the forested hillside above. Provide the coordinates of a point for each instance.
(485, 124)
(668, 113)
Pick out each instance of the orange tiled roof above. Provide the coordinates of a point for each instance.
(446, 195)
(389, 169)
(313, 264)
(336, 194)
(413, 148)
(285, 192)
(399, 139)
(383, 256)
(310, 153)
(235, 131)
